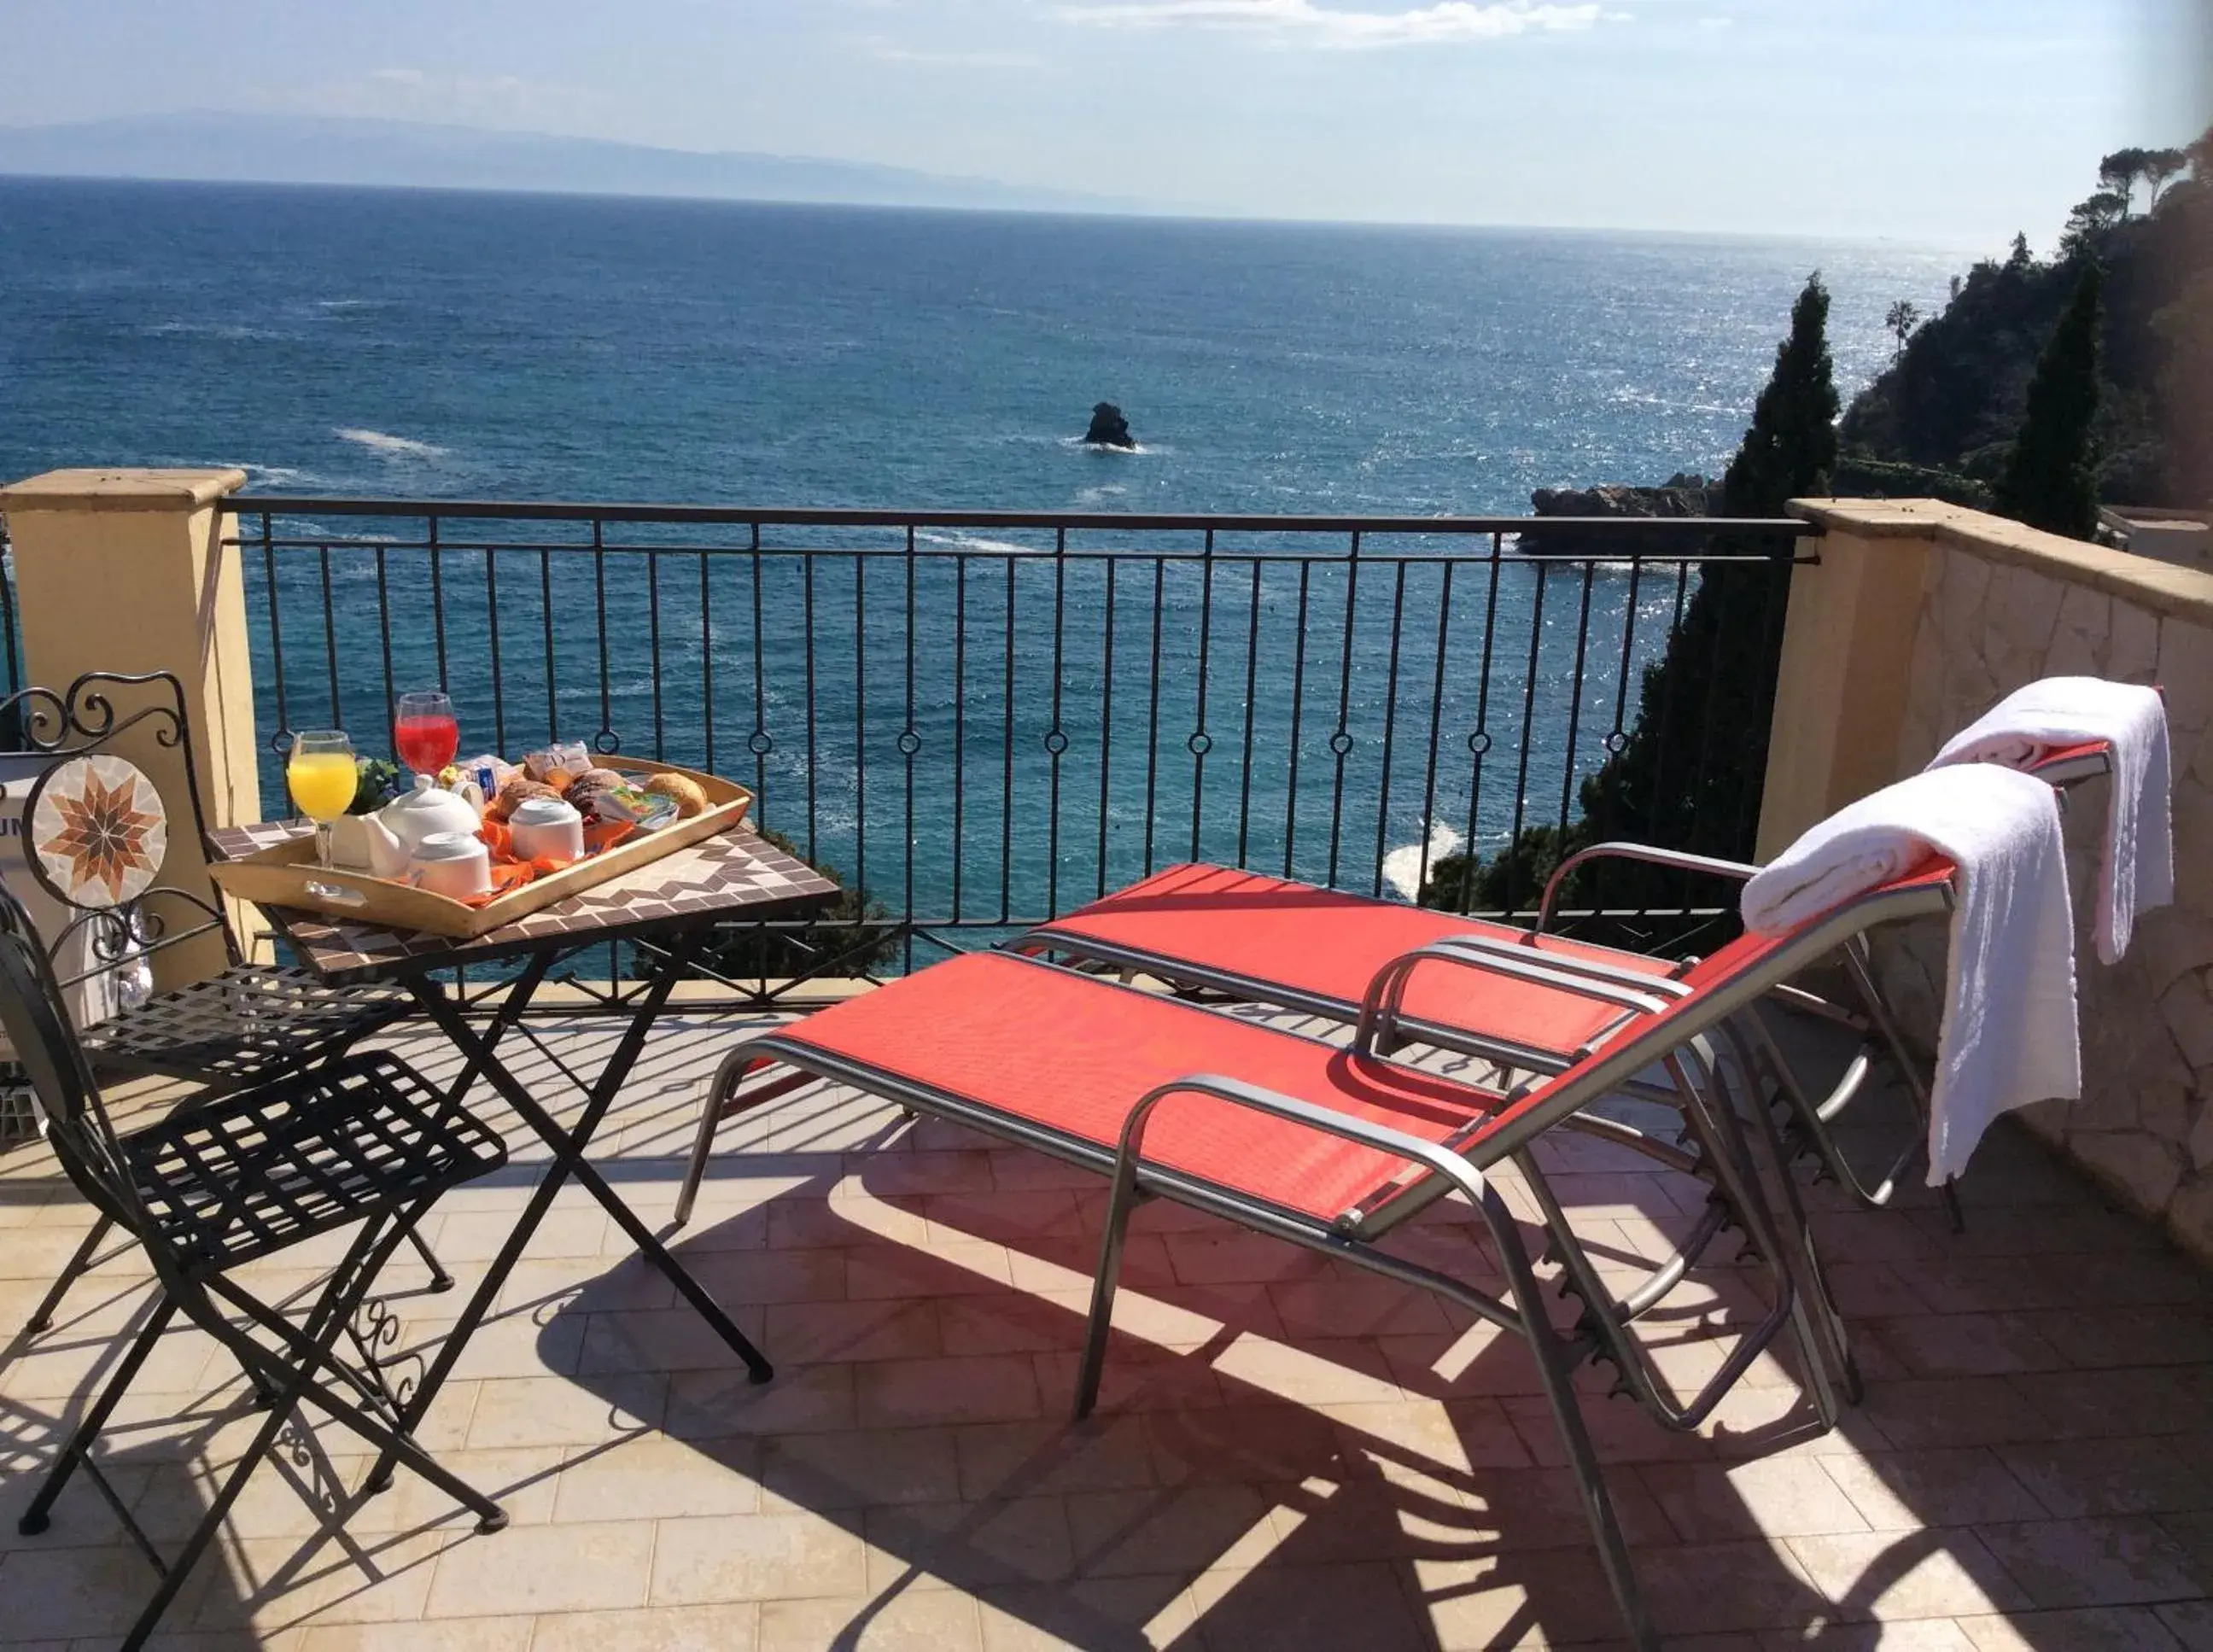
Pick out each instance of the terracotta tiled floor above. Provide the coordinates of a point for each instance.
(1286, 1455)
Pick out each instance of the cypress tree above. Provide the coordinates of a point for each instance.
(1688, 776)
(2051, 479)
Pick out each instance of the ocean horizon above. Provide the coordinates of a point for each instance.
(444, 345)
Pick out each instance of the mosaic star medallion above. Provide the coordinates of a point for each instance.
(99, 830)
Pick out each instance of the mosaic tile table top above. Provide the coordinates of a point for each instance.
(739, 875)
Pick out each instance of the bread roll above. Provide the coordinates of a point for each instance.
(680, 790)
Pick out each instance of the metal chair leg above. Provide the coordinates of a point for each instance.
(1104, 1284)
(1550, 1355)
(726, 1079)
(38, 1515)
(42, 1316)
(176, 1572)
(440, 1279)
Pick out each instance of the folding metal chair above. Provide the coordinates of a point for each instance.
(1323, 1146)
(362, 1140)
(96, 827)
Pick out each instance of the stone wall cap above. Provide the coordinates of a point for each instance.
(120, 488)
(2164, 587)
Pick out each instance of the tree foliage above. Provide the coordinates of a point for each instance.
(1952, 405)
(2051, 479)
(850, 936)
(1901, 319)
(1688, 776)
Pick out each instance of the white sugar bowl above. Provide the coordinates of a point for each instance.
(547, 828)
(452, 863)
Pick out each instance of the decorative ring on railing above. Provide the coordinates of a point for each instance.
(1617, 742)
(1340, 742)
(909, 742)
(1200, 743)
(760, 743)
(1055, 742)
(607, 742)
(1478, 742)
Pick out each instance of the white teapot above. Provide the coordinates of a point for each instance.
(397, 831)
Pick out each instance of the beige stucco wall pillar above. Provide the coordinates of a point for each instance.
(124, 570)
(1847, 647)
(1919, 618)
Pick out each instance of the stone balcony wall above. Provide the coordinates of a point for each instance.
(1999, 606)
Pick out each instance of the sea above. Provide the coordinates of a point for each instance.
(447, 345)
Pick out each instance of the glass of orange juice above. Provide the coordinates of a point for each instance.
(323, 777)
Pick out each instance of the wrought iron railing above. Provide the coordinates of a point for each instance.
(984, 719)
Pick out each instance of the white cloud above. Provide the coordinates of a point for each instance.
(1305, 22)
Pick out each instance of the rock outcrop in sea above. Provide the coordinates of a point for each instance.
(1108, 427)
(1683, 495)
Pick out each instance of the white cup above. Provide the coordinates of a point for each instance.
(547, 828)
(452, 863)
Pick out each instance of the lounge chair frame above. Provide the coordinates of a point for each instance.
(1677, 1042)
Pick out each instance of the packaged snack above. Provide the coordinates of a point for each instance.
(627, 805)
(557, 766)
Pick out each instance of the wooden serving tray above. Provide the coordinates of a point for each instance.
(287, 876)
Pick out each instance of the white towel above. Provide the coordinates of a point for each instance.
(2136, 869)
(2009, 1035)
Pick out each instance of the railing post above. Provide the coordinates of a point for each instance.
(1840, 690)
(124, 570)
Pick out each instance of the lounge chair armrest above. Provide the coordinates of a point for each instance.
(1380, 1007)
(1129, 1151)
(1593, 969)
(1680, 859)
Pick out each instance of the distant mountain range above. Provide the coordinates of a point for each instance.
(241, 148)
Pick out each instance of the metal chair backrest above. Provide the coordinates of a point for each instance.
(119, 905)
(45, 1043)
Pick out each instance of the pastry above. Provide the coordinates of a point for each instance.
(681, 789)
(515, 791)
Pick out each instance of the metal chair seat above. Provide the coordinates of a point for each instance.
(253, 1173)
(250, 1023)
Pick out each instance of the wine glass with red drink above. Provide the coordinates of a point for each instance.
(425, 732)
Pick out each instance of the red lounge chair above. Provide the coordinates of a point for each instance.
(1271, 940)
(1323, 1146)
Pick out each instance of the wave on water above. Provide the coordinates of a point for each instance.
(277, 476)
(1403, 867)
(393, 446)
(1136, 451)
(978, 542)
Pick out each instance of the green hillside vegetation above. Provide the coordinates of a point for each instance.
(2045, 386)
(1943, 418)
(1668, 784)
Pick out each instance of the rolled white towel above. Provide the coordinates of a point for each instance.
(2009, 1034)
(2136, 865)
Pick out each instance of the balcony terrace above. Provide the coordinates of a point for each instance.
(985, 722)
(1286, 1454)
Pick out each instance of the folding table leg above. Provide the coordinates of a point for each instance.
(480, 1058)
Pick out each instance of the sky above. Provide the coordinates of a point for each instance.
(1953, 122)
